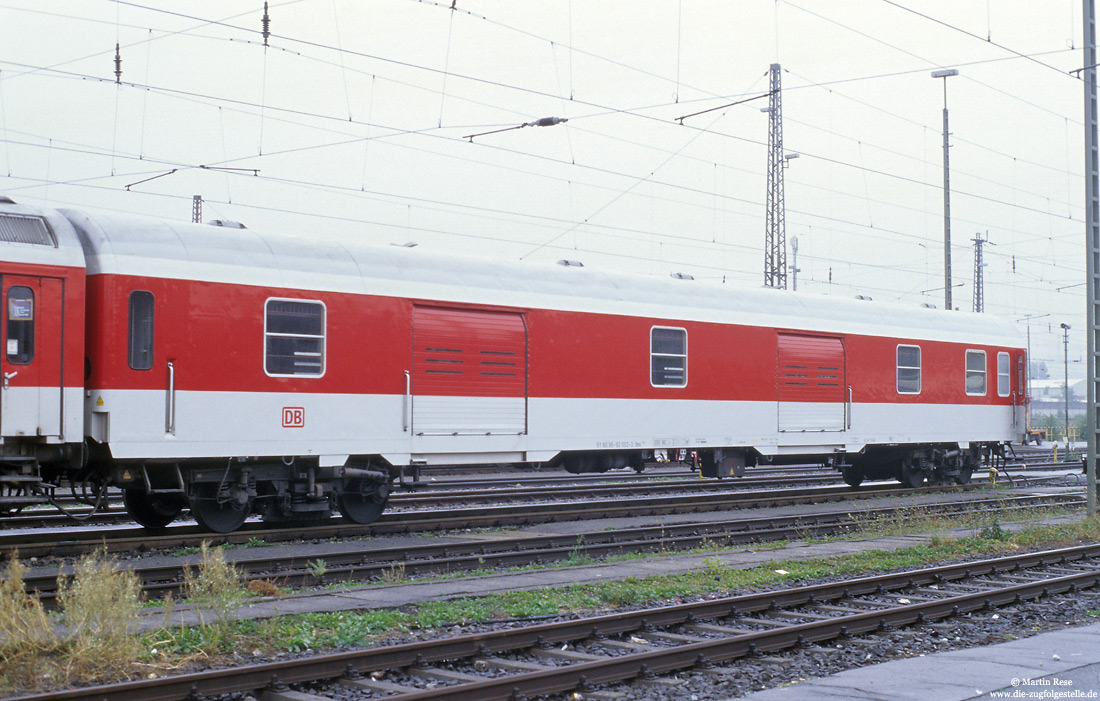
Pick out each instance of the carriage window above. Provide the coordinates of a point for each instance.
(141, 330)
(294, 338)
(668, 357)
(908, 369)
(975, 372)
(1004, 375)
(20, 326)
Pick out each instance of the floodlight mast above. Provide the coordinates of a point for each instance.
(945, 74)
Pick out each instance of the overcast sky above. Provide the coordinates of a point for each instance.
(352, 122)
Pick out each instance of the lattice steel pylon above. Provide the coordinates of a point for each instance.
(775, 230)
(979, 276)
(196, 209)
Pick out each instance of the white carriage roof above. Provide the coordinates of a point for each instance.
(26, 240)
(150, 247)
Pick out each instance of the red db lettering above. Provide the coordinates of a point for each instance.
(294, 417)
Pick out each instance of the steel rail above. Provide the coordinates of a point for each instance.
(357, 662)
(464, 492)
(136, 539)
(355, 564)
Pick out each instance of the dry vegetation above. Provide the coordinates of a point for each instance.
(94, 637)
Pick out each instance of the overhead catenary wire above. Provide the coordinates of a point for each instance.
(880, 231)
(558, 96)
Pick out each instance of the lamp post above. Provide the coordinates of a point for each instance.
(1065, 392)
(794, 264)
(945, 74)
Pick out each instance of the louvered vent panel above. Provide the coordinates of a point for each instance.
(17, 229)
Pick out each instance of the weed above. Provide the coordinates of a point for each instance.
(101, 604)
(713, 545)
(317, 567)
(25, 632)
(395, 574)
(250, 543)
(263, 587)
(215, 589)
(578, 556)
(993, 531)
(714, 567)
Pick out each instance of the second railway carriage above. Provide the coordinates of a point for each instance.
(237, 372)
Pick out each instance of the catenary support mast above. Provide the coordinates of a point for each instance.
(1092, 240)
(775, 234)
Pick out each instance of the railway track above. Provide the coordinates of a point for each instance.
(523, 485)
(354, 564)
(462, 485)
(578, 654)
(71, 542)
(520, 488)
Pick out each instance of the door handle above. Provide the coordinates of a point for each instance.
(405, 403)
(848, 417)
(170, 401)
(8, 376)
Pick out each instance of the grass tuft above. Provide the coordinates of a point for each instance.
(101, 603)
(215, 590)
(25, 631)
(395, 574)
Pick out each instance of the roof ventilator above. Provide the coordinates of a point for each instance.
(682, 276)
(20, 229)
(571, 263)
(227, 223)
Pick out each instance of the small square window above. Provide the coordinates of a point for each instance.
(294, 338)
(668, 357)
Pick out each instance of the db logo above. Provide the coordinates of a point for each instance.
(294, 417)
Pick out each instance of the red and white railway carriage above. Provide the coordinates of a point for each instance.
(234, 371)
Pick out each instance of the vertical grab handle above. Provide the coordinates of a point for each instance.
(170, 401)
(1014, 408)
(405, 402)
(848, 410)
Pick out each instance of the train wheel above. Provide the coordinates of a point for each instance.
(152, 511)
(852, 476)
(964, 475)
(911, 476)
(363, 501)
(218, 515)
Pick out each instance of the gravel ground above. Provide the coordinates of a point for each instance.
(764, 672)
(744, 676)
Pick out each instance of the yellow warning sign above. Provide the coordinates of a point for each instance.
(99, 401)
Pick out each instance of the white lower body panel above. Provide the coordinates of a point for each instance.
(214, 424)
(49, 413)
